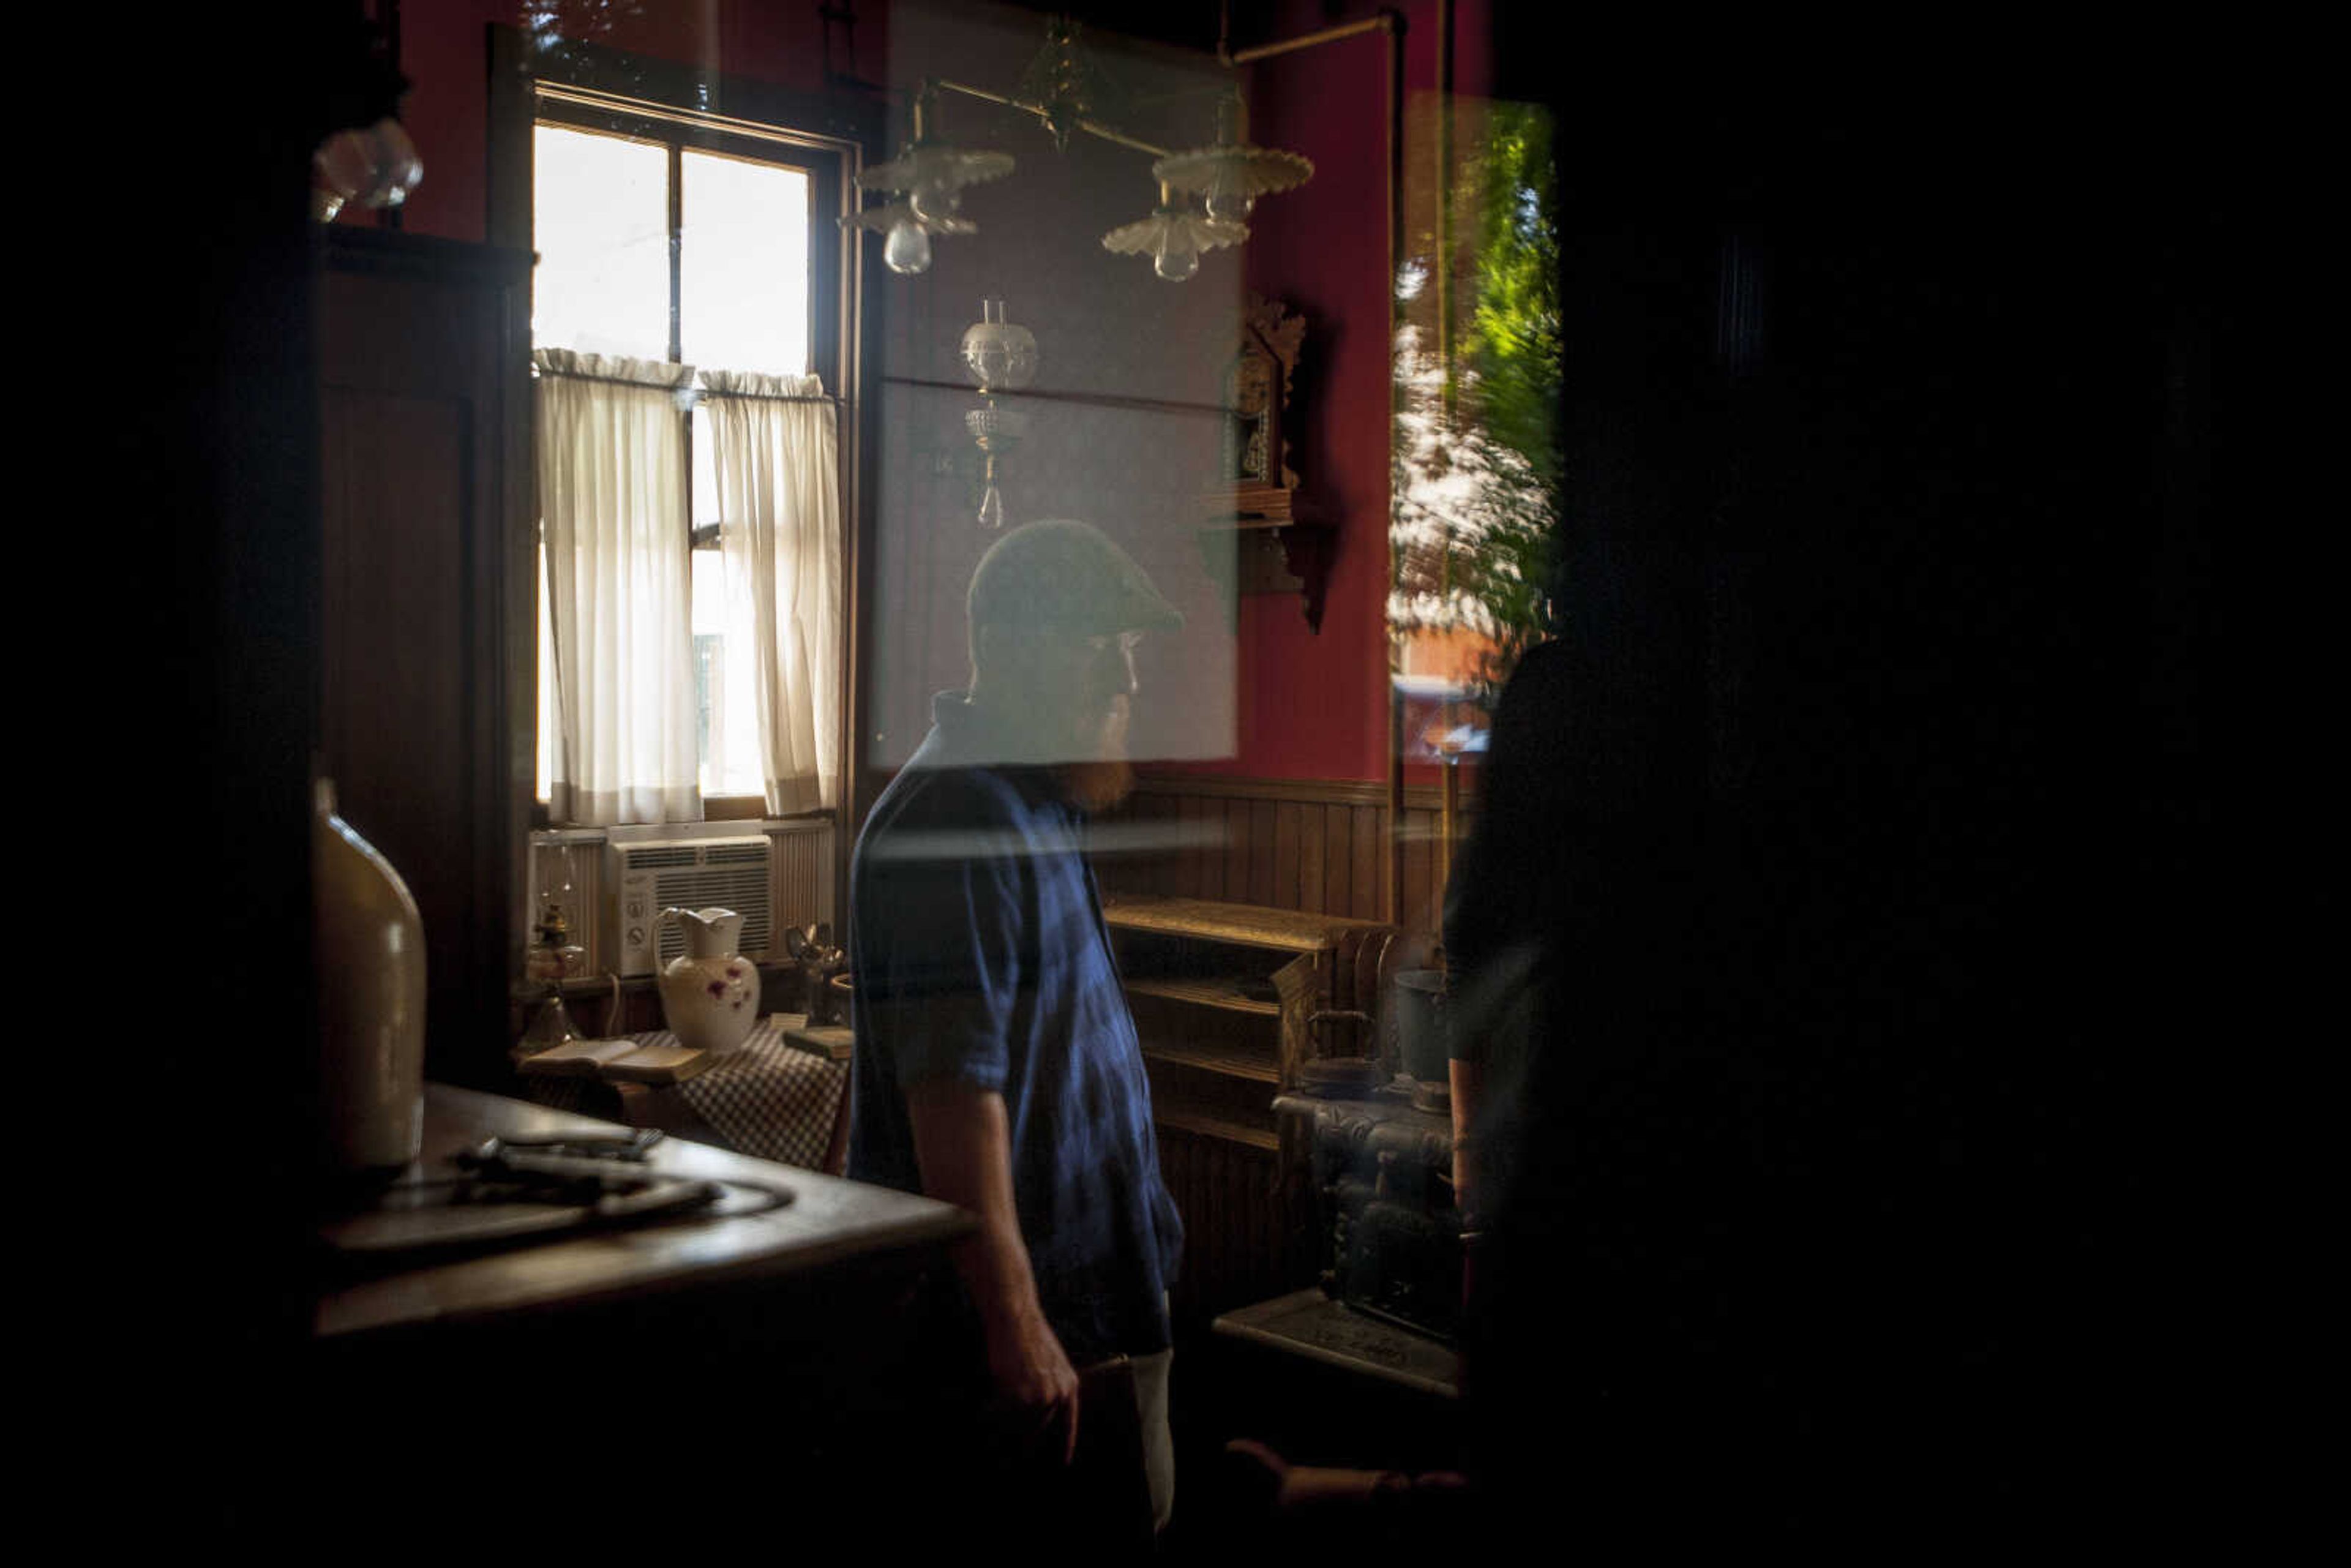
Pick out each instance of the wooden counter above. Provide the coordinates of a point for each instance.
(603, 1394)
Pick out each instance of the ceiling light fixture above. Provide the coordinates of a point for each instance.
(1231, 175)
(931, 180)
(1174, 237)
(1061, 87)
(1066, 90)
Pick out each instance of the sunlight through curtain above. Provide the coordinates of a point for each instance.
(611, 491)
(779, 499)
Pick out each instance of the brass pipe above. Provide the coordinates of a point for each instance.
(1107, 135)
(1448, 825)
(1088, 126)
(1392, 889)
(1392, 893)
(1384, 22)
(1443, 187)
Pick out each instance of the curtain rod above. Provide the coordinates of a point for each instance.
(688, 387)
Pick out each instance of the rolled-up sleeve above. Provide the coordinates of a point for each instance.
(953, 971)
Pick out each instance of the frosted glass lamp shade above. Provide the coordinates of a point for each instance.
(1000, 355)
(1233, 175)
(1174, 239)
(931, 179)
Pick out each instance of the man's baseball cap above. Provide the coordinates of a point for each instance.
(1066, 574)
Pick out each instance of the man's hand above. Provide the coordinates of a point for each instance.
(963, 1141)
(1034, 1375)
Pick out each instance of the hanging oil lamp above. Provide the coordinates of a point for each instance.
(1000, 356)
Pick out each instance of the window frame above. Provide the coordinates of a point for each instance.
(588, 88)
(555, 105)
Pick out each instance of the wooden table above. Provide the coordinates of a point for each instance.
(829, 1222)
(771, 1099)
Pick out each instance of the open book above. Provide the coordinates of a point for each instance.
(617, 1062)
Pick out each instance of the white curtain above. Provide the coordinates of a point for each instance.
(612, 525)
(779, 501)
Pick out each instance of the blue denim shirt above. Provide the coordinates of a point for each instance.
(979, 952)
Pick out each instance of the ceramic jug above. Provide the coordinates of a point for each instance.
(710, 994)
(368, 945)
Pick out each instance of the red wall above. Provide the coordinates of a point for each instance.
(443, 53)
(1315, 705)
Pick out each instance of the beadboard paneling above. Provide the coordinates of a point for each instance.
(1248, 1232)
(1285, 843)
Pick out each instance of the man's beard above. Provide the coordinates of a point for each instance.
(1106, 778)
(1095, 786)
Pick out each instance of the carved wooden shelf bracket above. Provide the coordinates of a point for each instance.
(1277, 544)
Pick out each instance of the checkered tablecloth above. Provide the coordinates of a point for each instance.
(767, 1100)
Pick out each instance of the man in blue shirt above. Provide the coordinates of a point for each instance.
(997, 1065)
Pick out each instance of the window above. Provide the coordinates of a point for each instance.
(691, 241)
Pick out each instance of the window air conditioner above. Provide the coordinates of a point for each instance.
(645, 876)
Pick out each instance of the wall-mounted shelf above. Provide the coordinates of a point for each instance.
(1225, 997)
(1230, 993)
(1240, 924)
(1216, 1056)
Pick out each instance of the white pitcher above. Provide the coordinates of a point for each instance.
(710, 994)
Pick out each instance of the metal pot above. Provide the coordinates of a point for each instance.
(1420, 1024)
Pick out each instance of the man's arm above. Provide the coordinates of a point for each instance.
(963, 1141)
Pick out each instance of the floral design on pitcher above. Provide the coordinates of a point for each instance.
(706, 990)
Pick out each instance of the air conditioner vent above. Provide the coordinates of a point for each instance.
(773, 877)
(742, 888)
(646, 878)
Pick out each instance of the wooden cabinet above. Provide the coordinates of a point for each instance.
(425, 605)
(1231, 1000)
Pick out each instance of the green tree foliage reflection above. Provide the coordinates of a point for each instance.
(1477, 457)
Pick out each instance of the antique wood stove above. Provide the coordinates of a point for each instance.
(1390, 1232)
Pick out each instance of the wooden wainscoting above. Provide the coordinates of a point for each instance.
(1249, 1227)
(1285, 843)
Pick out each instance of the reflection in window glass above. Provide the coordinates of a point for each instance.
(600, 225)
(1472, 537)
(727, 718)
(743, 250)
